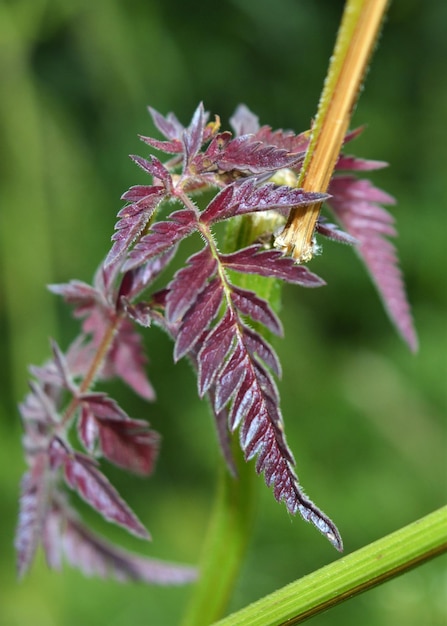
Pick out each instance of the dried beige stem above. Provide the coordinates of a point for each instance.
(355, 43)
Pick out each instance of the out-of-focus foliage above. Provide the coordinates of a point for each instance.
(366, 419)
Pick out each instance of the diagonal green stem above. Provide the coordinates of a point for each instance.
(368, 567)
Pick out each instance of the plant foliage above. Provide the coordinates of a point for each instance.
(218, 324)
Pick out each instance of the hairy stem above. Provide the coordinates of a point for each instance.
(364, 569)
(355, 43)
(94, 368)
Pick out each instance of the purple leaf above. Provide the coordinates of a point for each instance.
(333, 232)
(33, 508)
(245, 154)
(93, 556)
(135, 281)
(130, 444)
(133, 219)
(81, 474)
(171, 147)
(75, 292)
(243, 121)
(262, 435)
(162, 237)
(154, 167)
(40, 405)
(346, 162)
(137, 193)
(355, 205)
(224, 436)
(254, 409)
(285, 139)
(100, 405)
(230, 378)
(193, 135)
(141, 313)
(257, 345)
(61, 366)
(127, 360)
(48, 374)
(169, 126)
(214, 349)
(271, 263)
(198, 318)
(88, 430)
(188, 283)
(246, 197)
(248, 303)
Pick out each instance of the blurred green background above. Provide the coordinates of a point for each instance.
(365, 419)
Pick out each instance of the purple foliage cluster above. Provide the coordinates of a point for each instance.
(211, 320)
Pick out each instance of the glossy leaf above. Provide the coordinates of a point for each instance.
(188, 283)
(271, 263)
(132, 220)
(248, 197)
(198, 318)
(162, 237)
(82, 474)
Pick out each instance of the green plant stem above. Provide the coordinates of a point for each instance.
(368, 567)
(228, 533)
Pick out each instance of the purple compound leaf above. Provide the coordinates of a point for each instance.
(248, 303)
(33, 509)
(348, 162)
(248, 197)
(356, 205)
(244, 154)
(257, 346)
(67, 537)
(75, 292)
(169, 126)
(188, 282)
(256, 260)
(126, 442)
(213, 351)
(198, 318)
(135, 281)
(243, 121)
(127, 360)
(193, 135)
(132, 220)
(162, 237)
(333, 232)
(131, 444)
(154, 167)
(81, 473)
(141, 313)
(243, 392)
